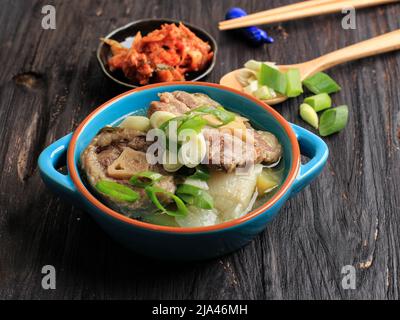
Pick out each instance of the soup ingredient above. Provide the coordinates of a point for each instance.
(220, 137)
(201, 184)
(195, 123)
(180, 102)
(117, 191)
(136, 122)
(268, 180)
(127, 164)
(195, 196)
(160, 218)
(232, 192)
(145, 178)
(122, 149)
(309, 115)
(170, 162)
(160, 117)
(201, 173)
(219, 112)
(294, 87)
(267, 147)
(198, 217)
(333, 120)
(165, 54)
(192, 152)
(181, 209)
(319, 102)
(273, 78)
(321, 83)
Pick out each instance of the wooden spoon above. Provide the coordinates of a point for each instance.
(381, 44)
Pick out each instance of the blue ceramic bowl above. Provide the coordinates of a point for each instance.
(183, 243)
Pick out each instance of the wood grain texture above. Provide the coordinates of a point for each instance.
(50, 81)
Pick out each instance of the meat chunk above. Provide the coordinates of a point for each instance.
(267, 147)
(228, 151)
(116, 154)
(180, 102)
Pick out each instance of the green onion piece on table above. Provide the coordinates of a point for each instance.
(273, 78)
(195, 196)
(308, 114)
(181, 209)
(321, 83)
(117, 191)
(319, 102)
(145, 178)
(294, 87)
(333, 120)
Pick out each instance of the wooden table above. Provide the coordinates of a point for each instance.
(50, 80)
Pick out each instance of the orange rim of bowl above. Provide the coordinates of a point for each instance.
(94, 201)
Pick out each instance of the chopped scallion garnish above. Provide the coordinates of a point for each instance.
(195, 196)
(319, 102)
(333, 120)
(321, 83)
(181, 209)
(294, 87)
(195, 123)
(117, 191)
(308, 114)
(223, 115)
(145, 178)
(273, 78)
(201, 173)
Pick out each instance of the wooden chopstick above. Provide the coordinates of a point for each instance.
(308, 11)
(279, 10)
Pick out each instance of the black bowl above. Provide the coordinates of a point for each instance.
(146, 26)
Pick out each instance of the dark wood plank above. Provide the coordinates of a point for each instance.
(50, 81)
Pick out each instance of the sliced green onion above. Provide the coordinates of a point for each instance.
(223, 115)
(145, 178)
(253, 65)
(195, 196)
(117, 191)
(195, 123)
(187, 198)
(178, 120)
(333, 120)
(263, 93)
(308, 114)
(201, 173)
(321, 83)
(319, 102)
(252, 87)
(294, 87)
(273, 78)
(152, 192)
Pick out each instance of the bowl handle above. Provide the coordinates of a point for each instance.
(49, 161)
(316, 150)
